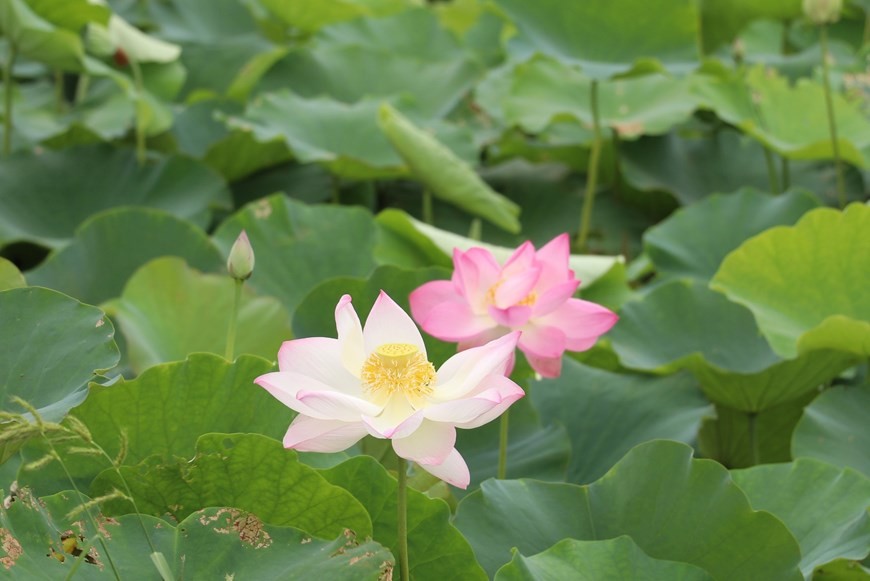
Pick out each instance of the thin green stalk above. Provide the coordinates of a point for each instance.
(7, 92)
(772, 178)
(86, 548)
(753, 439)
(58, 91)
(86, 510)
(786, 173)
(832, 123)
(231, 332)
(141, 151)
(475, 229)
(503, 424)
(592, 174)
(402, 508)
(336, 191)
(82, 88)
(428, 216)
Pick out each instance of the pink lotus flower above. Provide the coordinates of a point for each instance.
(377, 380)
(531, 293)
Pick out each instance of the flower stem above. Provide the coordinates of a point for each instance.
(7, 93)
(474, 230)
(592, 173)
(503, 444)
(753, 439)
(402, 509)
(786, 174)
(428, 216)
(140, 116)
(772, 178)
(832, 122)
(234, 315)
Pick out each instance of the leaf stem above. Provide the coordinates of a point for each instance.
(234, 315)
(58, 91)
(7, 93)
(772, 178)
(474, 229)
(592, 172)
(786, 173)
(503, 424)
(832, 122)
(141, 151)
(753, 438)
(402, 518)
(428, 216)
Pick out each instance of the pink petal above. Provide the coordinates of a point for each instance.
(397, 420)
(319, 358)
(388, 323)
(494, 394)
(285, 386)
(463, 372)
(430, 443)
(430, 295)
(554, 297)
(542, 341)
(453, 470)
(553, 259)
(482, 338)
(522, 259)
(512, 317)
(455, 322)
(581, 321)
(310, 435)
(350, 337)
(475, 272)
(337, 406)
(517, 287)
(545, 366)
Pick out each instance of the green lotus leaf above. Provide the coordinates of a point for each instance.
(36, 38)
(764, 105)
(824, 507)
(168, 310)
(214, 543)
(10, 276)
(79, 182)
(299, 246)
(695, 240)
(608, 38)
(833, 430)
(673, 507)
(311, 15)
(51, 346)
(610, 560)
(684, 325)
(606, 414)
(110, 246)
(721, 20)
(771, 274)
(247, 471)
(436, 550)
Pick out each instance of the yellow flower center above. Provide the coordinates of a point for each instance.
(398, 367)
(526, 301)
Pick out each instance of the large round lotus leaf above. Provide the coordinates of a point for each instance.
(406, 54)
(50, 347)
(607, 37)
(445, 175)
(215, 543)
(247, 471)
(834, 429)
(311, 15)
(298, 246)
(436, 550)
(38, 39)
(606, 414)
(695, 240)
(44, 197)
(10, 276)
(764, 105)
(684, 325)
(721, 20)
(722, 162)
(168, 310)
(825, 508)
(72, 14)
(611, 560)
(343, 137)
(544, 88)
(804, 283)
(109, 247)
(674, 507)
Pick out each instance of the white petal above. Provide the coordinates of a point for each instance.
(285, 387)
(388, 323)
(350, 335)
(397, 420)
(453, 470)
(337, 406)
(319, 358)
(464, 371)
(494, 394)
(307, 434)
(428, 444)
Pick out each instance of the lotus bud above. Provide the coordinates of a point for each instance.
(823, 11)
(240, 264)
